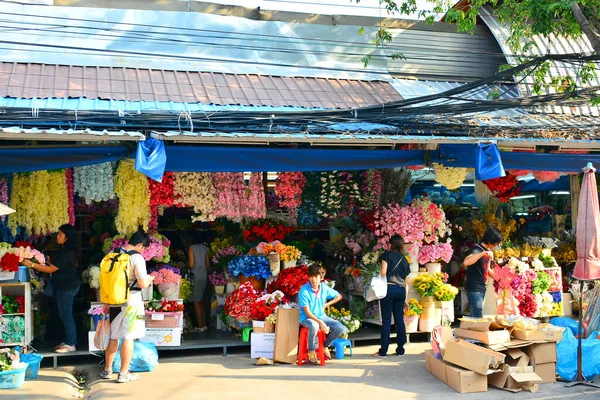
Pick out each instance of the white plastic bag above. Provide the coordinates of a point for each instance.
(102, 336)
(378, 288)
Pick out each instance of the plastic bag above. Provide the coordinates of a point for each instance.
(145, 358)
(566, 349)
(102, 336)
(488, 163)
(378, 288)
(151, 158)
(566, 322)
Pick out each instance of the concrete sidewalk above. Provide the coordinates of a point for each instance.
(50, 384)
(359, 377)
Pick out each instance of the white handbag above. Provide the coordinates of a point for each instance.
(378, 288)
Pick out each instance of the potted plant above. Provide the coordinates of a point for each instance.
(412, 311)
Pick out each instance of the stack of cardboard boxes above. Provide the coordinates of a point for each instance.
(482, 353)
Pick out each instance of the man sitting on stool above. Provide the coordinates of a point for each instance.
(313, 298)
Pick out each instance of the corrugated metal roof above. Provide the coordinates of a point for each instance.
(134, 84)
(18, 133)
(200, 42)
(550, 45)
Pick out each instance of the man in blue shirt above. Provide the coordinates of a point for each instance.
(313, 298)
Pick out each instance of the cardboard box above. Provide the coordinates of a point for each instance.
(489, 337)
(542, 353)
(286, 335)
(475, 324)
(515, 378)
(546, 372)
(472, 357)
(262, 345)
(549, 336)
(167, 337)
(514, 358)
(459, 379)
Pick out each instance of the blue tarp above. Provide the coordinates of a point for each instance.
(28, 159)
(255, 159)
(463, 155)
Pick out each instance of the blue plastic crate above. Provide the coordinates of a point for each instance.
(33, 361)
(13, 379)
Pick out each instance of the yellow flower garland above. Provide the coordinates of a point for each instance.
(133, 192)
(449, 177)
(41, 200)
(196, 189)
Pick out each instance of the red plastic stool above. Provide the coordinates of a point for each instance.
(303, 347)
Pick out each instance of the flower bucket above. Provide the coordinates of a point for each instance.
(23, 273)
(274, 263)
(427, 300)
(432, 268)
(427, 324)
(220, 289)
(447, 308)
(288, 264)
(256, 283)
(412, 323)
(169, 291)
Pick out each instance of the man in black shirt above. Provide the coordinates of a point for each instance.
(478, 269)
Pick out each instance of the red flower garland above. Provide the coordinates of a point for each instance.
(504, 188)
(290, 280)
(161, 194)
(288, 187)
(70, 195)
(9, 262)
(268, 231)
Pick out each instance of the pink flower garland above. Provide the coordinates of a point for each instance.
(231, 191)
(288, 187)
(3, 194)
(70, 191)
(393, 220)
(254, 205)
(546, 176)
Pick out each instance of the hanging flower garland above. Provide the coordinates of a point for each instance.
(519, 172)
(372, 185)
(132, 189)
(504, 188)
(161, 195)
(195, 189)
(289, 187)
(70, 195)
(449, 177)
(36, 211)
(308, 212)
(546, 176)
(231, 192)
(253, 205)
(3, 194)
(339, 194)
(94, 182)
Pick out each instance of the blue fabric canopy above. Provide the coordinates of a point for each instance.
(255, 159)
(463, 155)
(28, 159)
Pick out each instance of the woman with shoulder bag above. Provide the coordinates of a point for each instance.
(65, 280)
(395, 268)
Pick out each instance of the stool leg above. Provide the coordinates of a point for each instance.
(322, 348)
(302, 347)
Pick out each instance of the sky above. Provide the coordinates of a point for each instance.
(341, 7)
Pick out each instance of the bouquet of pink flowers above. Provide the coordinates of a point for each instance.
(217, 278)
(393, 220)
(165, 275)
(157, 251)
(436, 252)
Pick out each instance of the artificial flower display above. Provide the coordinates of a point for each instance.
(195, 189)
(239, 304)
(14, 328)
(544, 303)
(161, 196)
(427, 284)
(450, 177)
(96, 310)
(308, 213)
(353, 271)
(92, 276)
(504, 188)
(165, 275)
(70, 195)
(13, 304)
(165, 306)
(290, 253)
(288, 187)
(435, 253)
(546, 176)
(9, 262)
(394, 219)
(217, 278)
(372, 185)
(220, 243)
(446, 292)
(247, 265)
(345, 317)
(340, 194)
(266, 305)
(223, 256)
(290, 280)
(414, 308)
(541, 283)
(267, 230)
(253, 201)
(157, 251)
(94, 182)
(185, 290)
(132, 189)
(3, 194)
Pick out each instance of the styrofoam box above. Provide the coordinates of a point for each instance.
(165, 337)
(262, 345)
(91, 346)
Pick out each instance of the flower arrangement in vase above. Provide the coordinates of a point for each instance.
(413, 309)
(168, 281)
(290, 253)
(266, 305)
(239, 304)
(435, 253)
(248, 265)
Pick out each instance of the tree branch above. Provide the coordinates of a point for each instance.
(586, 27)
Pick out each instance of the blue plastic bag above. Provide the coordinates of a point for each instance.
(488, 163)
(566, 366)
(145, 358)
(566, 322)
(151, 158)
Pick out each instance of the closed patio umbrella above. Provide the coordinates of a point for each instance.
(5, 210)
(588, 250)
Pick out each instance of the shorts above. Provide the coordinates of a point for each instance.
(128, 322)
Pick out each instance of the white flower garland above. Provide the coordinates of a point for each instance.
(449, 177)
(94, 182)
(196, 189)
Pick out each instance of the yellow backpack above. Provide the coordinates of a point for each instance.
(114, 278)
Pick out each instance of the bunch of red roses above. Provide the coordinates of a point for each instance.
(268, 231)
(238, 305)
(9, 262)
(290, 280)
(504, 188)
(266, 305)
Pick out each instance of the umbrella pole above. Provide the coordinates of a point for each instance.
(580, 380)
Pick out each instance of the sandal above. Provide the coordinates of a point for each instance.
(327, 354)
(376, 354)
(312, 357)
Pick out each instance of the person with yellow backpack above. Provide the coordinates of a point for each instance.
(122, 276)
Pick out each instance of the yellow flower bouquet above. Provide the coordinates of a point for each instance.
(446, 292)
(414, 308)
(290, 253)
(427, 284)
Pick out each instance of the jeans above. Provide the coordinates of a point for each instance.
(476, 303)
(64, 302)
(336, 329)
(393, 302)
